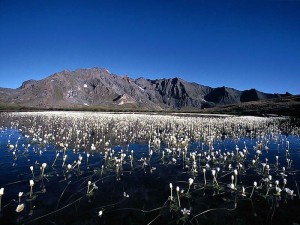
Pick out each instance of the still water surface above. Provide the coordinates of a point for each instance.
(103, 168)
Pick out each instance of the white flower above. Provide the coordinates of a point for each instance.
(185, 211)
(20, 208)
(278, 190)
(191, 181)
(289, 191)
(258, 152)
(44, 165)
(235, 172)
(31, 183)
(213, 172)
(255, 184)
(177, 189)
(1, 191)
(100, 213)
(171, 185)
(243, 191)
(31, 168)
(231, 186)
(20, 194)
(270, 177)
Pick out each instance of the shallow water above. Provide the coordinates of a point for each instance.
(135, 188)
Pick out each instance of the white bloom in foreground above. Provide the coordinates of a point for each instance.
(243, 191)
(231, 186)
(1, 191)
(186, 211)
(100, 213)
(31, 183)
(235, 172)
(278, 190)
(125, 195)
(213, 172)
(20, 207)
(289, 191)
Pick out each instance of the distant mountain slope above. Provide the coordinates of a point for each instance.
(284, 106)
(99, 87)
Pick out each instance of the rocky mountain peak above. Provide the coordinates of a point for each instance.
(98, 87)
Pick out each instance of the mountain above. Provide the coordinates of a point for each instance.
(286, 106)
(99, 87)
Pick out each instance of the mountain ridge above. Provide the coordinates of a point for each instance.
(99, 87)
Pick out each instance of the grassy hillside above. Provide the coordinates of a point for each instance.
(285, 106)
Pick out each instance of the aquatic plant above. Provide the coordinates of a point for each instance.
(200, 156)
(177, 191)
(1, 194)
(20, 195)
(254, 186)
(55, 159)
(31, 169)
(171, 189)
(31, 184)
(43, 169)
(20, 207)
(191, 181)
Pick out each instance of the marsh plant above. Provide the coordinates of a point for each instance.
(176, 169)
(1, 194)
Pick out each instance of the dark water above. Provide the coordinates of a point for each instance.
(137, 190)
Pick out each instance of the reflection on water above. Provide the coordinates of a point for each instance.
(103, 168)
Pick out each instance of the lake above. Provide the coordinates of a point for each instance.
(131, 168)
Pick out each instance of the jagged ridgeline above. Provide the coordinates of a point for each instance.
(99, 87)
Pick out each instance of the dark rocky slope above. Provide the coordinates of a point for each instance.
(99, 87)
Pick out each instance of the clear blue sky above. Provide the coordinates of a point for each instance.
(241, 44)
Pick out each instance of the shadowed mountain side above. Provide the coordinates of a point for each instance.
(285, 106)
(99, 87)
